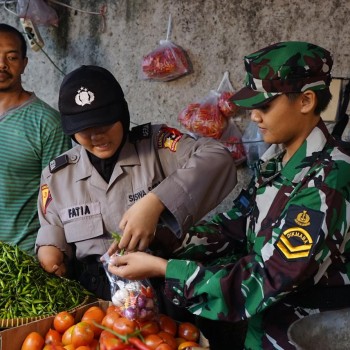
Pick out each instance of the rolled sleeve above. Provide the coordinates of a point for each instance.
(54, 236)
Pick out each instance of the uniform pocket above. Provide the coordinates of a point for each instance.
(82, 229)
(82, 221)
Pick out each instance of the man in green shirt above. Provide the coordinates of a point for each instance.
(31, 136)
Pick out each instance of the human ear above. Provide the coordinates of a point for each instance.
(308, 101)
(25, 62)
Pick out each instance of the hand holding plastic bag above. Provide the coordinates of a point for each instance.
(134, 300)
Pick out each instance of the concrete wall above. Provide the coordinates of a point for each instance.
(215, 34)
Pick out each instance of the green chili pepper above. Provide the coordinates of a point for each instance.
(27, 290)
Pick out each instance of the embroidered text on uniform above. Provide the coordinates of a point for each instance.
(78, 211)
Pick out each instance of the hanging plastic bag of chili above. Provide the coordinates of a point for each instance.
(134, 300)
(232, 139)
(166, 62)
(227, 107)
(204, 118)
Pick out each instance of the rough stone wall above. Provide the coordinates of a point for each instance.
(215, 34)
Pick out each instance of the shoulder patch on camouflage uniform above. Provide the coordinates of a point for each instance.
(299, 233)
(168, 138)
(58, 163)
(140, 132)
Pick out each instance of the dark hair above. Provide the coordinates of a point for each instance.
(5, 28)
(323, 96)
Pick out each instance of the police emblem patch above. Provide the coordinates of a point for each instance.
(45, 197)
(168, 138)
(84, 96)
(299, 233)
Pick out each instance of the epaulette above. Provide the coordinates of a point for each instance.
(140, 132)
(58, 163)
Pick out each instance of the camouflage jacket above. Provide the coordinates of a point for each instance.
(288, 233)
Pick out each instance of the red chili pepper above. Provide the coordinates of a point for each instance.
(138, 343)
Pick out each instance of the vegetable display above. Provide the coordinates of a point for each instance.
(161, 333)
(27, 291)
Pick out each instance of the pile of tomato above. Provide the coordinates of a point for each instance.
(101, 329)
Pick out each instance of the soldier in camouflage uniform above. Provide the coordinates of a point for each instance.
(286, 237)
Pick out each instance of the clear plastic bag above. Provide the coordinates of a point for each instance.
(204, 118)
(167, 62)
(253, 143)
(232, 139)
(227, 107)
(37, 11)
(135, 300)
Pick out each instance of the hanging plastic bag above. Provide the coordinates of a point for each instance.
(167, 62)
(227, 107)
(204, 118)
(37, 11)
(253, 143)
(135, 300)
(232, 139)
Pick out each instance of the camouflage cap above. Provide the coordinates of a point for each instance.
(291, 66)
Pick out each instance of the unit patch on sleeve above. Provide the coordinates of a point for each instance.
(299, 233)
(168, 138)
(45, 197)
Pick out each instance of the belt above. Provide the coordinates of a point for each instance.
(335, 297)
(92, 275)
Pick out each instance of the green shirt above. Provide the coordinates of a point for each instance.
(31, 136)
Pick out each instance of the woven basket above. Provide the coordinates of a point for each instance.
(15, 322)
